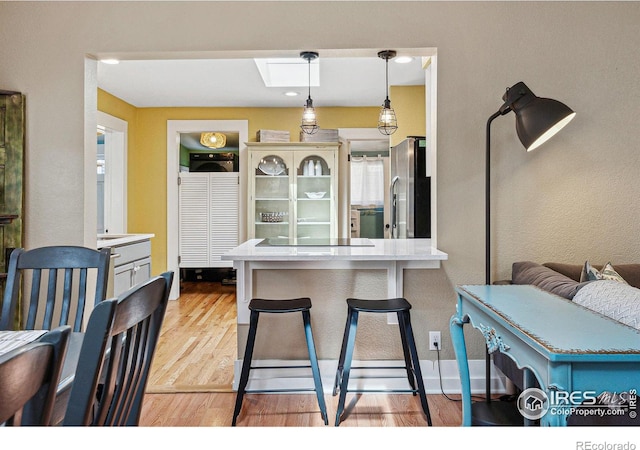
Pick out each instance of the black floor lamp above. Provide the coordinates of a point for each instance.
(537, 119)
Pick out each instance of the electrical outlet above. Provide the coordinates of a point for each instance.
(435, 343)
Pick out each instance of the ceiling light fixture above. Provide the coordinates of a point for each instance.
(309, 124)
(403, 59)
(213, 140)
(387, 122)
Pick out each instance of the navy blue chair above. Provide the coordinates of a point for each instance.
(29, 378)
(55, 280)
(116, 356)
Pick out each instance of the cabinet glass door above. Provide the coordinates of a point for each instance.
(314, 196)
(272, 200)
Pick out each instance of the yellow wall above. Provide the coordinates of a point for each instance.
(147, 161)
(411, 118)
(116, 107)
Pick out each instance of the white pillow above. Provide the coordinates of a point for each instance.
(620, 301)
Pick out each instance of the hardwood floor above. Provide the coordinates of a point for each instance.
(215, 409)
(197, 346)
(190, 381)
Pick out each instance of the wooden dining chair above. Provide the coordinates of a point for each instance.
(116, 356)
(29, 378)
(56, 283)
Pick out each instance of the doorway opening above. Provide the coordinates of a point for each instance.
(111, 174)
(369, 179)
(175, 129)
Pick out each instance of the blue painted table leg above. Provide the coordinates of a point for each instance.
(528, 381)
(460, 347)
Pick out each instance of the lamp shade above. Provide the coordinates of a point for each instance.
(213, 140)
(309, 123)
(537, 119)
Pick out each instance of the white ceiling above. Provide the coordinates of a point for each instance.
(236, 82)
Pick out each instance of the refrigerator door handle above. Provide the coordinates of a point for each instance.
(393, 197)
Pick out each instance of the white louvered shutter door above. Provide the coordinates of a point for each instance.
(223, 216)
(194, 220)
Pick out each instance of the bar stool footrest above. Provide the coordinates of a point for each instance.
(280, 367)
(273, 391)
(382, 367)
(396, 391)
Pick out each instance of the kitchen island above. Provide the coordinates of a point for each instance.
(329, 273)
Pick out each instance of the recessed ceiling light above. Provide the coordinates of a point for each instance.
(291, 94)
(403, 59)
(110, 61)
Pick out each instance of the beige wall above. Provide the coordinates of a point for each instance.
(570, 200)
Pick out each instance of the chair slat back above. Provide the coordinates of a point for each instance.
(29, 376)
(55, 280)
(116, 356)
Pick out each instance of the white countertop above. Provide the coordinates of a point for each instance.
(114, 240)
(383, 249)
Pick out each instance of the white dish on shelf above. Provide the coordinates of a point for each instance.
(273, 217)
(315, 195)
(272, 165)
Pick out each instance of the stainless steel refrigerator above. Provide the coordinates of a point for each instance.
(410, 190)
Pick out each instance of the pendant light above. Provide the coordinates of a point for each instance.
(213, 140)
(309, 124)
(387, 123)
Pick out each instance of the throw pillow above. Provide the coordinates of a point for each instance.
(590, 273)
(613, 299)
(529, 272)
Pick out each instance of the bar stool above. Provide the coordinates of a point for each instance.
(257, 306)
(412, 363)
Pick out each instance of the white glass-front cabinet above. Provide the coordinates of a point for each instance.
(293, 190)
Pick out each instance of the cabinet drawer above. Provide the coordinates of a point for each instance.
(131, 252)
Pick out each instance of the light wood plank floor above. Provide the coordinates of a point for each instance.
(197, 345)
(190, 382)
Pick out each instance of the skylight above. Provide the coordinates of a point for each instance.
(288, 72)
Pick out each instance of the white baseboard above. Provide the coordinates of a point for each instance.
(436, 381)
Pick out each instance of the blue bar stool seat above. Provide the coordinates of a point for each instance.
(257, 306)
(412, 363)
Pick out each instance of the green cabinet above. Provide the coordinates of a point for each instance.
(11, 174)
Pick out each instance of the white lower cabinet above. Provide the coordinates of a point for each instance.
(131, 265)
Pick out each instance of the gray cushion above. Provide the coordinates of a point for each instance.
(528, 272)
(630, 272)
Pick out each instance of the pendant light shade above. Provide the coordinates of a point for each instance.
(309, 124)
(387, 122)
(537, 119)
(213, 140)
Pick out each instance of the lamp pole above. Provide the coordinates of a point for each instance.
(487, 236)
(487, 194)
